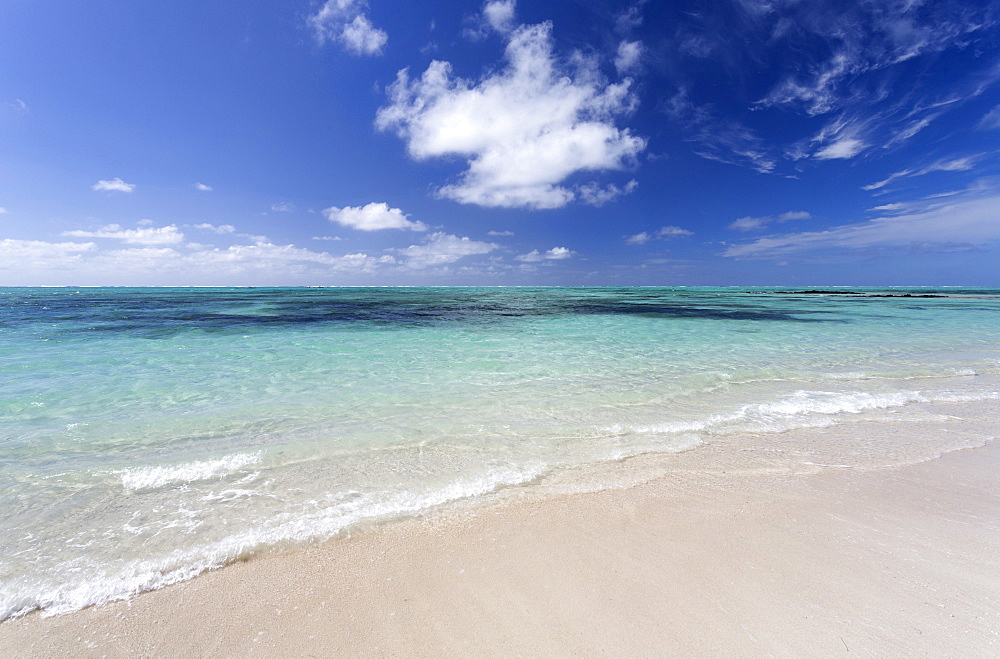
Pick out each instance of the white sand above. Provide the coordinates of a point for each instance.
(893, 562)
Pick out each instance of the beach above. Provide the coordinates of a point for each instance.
(895, 561)
(498, 471)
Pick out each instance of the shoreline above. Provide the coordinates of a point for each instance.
(884, 561)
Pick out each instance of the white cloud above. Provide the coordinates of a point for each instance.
(220, 229)
(818, 95)
(499, 14)
(21, 254)
(863, 38)
(991, 120)
(906, 132)
(755, 223)
(663, 233)
(361, 37)
(499, 233)
(168, 235)
(954, 165)
(202, 187)
(114, 185)
(283, 207)
(372, 217)
(2, 210)
(629, 54)
(595, 195)
(523, 130)
(32, 262)
(667, 232)
(345, 22)
(554, 254)
(326, 238)
(843, 148)
(718, 138)
(971, 219)
(442, 248)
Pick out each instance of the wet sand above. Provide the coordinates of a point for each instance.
(844, 562)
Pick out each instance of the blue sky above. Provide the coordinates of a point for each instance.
(592, 142)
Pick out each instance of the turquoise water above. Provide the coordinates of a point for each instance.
(147, 435)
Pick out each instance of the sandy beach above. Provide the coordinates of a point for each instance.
(842, 562)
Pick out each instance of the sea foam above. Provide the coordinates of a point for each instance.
(146, 478)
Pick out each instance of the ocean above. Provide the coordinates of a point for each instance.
(150, 434)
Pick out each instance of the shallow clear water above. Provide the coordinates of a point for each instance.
(149, 434)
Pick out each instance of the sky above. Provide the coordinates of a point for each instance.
(558, 142)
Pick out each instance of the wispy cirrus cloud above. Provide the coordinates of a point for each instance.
(756, 223)
(523, 129)
(861, 67)
(860, 39)
(719, 138)
(663, 233)
(990, 120)
(963, 164)
(961, 219)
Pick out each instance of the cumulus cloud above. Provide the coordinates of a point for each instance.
(968, 218)
(21, 254)
(443, 248)
(202, 187)
(629, 54)
(755, 223)
(372, 217)
(345, 22)
(663, 233)
(32, 262)
(523, 130)
(168, 235)
(554, 254)
(114, 185)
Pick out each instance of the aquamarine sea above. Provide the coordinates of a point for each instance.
(150, 434)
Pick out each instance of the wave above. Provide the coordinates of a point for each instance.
(147, 478)
(801, 409)
(65, 591)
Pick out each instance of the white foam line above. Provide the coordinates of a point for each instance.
(142, 575)
(145, 478)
